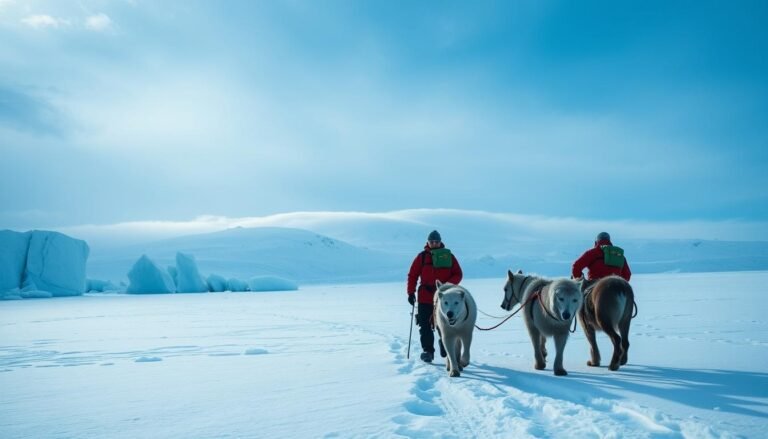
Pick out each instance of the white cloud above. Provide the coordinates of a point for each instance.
(98, 22)
(41, 21)
(522, 226)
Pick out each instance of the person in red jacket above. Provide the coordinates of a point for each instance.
(597, 264)
(434, 263)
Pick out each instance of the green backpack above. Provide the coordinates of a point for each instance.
(613, 256)
(441, 258)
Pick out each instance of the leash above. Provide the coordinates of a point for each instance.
(489, 315)
(522, 305)
(544, 308)
(501, 323)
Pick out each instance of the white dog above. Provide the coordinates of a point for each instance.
(455, 317)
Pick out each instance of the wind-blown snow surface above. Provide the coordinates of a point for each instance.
(330, 361)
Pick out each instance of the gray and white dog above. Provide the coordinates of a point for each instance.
(549, 307)
(455, 317)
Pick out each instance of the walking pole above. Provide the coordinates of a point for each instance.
(410, 333)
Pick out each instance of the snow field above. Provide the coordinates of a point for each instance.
(330, 361)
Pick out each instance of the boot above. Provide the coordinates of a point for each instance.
(427, 357)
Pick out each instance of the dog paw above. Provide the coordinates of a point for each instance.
(593, 363)
(539, 366)
(613, 366)
(455, 373)
(560, 372)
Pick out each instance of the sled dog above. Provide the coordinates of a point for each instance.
(455, 317)
(549, 307)
(608, 304)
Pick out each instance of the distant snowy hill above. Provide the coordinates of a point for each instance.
(337, 248)
(487, 244)
(295, 254)
(644, 256)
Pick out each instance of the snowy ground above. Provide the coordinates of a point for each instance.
(330, 361)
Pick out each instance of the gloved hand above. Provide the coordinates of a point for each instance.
(411, 299)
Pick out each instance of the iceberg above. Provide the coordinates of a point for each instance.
(147, 278)
(217, 283)
(188, 276)
(174, 274)
(55, 264)
(271, 283)
(100, 286)
(13, 258)
(236, 285)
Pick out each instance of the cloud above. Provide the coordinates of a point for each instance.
(42, 21)
(26, 110)
(288, 96)
(98, 22)
(28, 219)
(521, 226)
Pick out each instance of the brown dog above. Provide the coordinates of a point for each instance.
(608, 304)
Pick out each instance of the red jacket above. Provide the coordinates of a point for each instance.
(592, 260)
(429, 275)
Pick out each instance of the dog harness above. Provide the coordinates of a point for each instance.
(537, 296)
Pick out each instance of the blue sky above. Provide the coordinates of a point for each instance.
(115, 111)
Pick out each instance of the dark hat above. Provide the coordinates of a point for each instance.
(434, 236)
(603, 236)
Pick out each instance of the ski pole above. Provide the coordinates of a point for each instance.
(410, 333)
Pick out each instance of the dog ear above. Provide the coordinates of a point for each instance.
(519, 271)
(438, 284)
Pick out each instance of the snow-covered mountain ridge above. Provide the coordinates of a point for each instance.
(375, 253)
(295, 254)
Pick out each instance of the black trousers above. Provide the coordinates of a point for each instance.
(424, 320)
(427, 336)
